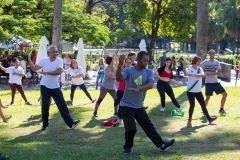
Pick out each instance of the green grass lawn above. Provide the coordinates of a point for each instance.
(22, 139)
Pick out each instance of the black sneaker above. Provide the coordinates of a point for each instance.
(115, 115)
(75, 124)
(11, 103)
(221, 111)
(127, 151)
(95, 114)
(28, 103)
(167, 144)
(44, 128)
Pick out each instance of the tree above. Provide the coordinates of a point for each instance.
(57, 25)
(202, 29)
(162, 17)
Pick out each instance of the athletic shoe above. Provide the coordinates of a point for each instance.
(189, 120)
(44, 128)
(167, 145)
(182, 106)
(95, 114)
(221, 111)
(162, 109)
(11, 103)
(127, 151)
(115, 115)
(74, 125)
(71, 110)
(212, 119)
(119, 121)
(93, 100)
(28, 103)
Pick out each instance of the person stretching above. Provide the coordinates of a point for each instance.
(195, 75)
(166, 75)
(15, 80)
(76, 72)
(139, 79)
(108, 86)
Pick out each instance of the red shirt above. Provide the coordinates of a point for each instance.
(122, 85)
(166, 74)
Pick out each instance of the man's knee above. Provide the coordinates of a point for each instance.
(224, 94)
(207, 98)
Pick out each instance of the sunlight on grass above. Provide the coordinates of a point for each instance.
(21, 138)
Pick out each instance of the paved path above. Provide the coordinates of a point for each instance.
(90, 84)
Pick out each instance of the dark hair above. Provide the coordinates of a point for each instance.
(168, 59)
(131, 53)
(6, 52)
(196, 59)
(99, 61)
(71, 65)
(15, 59)
(141, 54)
(127, 59)
(173, 57)
(34, 52)
(108, 60)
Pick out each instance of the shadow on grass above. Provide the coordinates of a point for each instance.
(31, 121)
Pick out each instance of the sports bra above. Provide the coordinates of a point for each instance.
(163, 73)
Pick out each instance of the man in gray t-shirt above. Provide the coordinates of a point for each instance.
(212, 70)
(139, 79)
(162, 59)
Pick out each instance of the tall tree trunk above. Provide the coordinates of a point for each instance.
(202, 30)
(57, 25)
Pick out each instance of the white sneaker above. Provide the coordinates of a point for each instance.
(182, 106)
(162, 109)
(119, 121)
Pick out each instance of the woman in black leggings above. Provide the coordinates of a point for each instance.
(195, 75)
(166, 75)
(76, 72)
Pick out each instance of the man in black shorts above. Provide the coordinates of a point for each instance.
(212, 70)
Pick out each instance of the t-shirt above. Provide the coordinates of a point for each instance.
(134, 79)
(50, 81)
(194, 84)
(107, 82)
(34, 59)
(76, 72)
(14, 78)
(100, 68)
(211, 67)
(162, 58)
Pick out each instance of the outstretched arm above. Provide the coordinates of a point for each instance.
(2, 68)
(33, 67)
(119, 68)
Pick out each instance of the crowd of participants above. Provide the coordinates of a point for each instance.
(134, 78)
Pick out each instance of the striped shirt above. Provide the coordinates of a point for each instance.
(211, 67)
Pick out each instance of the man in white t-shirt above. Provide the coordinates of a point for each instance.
(52, 67)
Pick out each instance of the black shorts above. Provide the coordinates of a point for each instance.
(216, 87)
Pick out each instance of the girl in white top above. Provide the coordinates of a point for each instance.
(77, 74)
(15, 80)
(194, 85)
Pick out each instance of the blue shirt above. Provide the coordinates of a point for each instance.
(134, 79)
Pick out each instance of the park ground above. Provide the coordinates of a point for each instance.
(21, 137)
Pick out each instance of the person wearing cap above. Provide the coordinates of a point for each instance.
(52, 67)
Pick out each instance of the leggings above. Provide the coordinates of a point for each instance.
(103, 92)
(13, 87)
(119, 95)
(163, 87)
(200, 99)
(83, 87)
